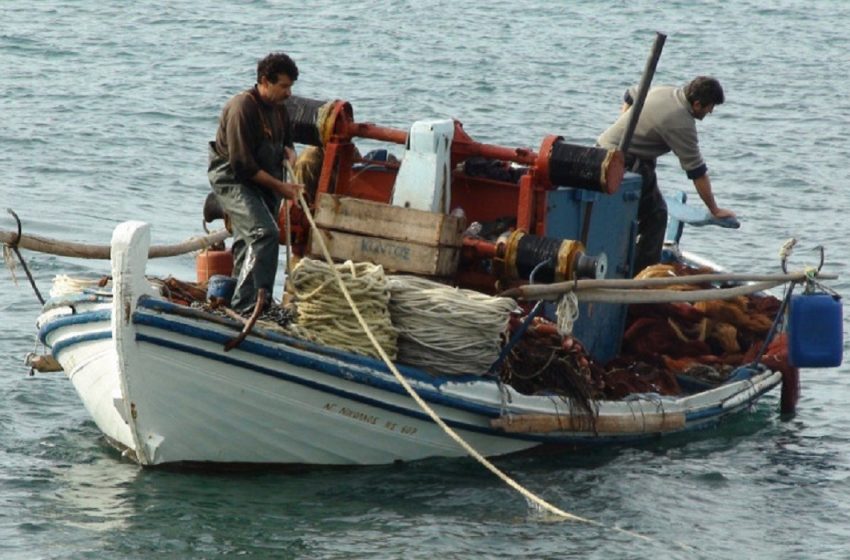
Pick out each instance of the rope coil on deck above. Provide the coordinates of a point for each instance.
(468, 343)
(323, 315)
(64, 285)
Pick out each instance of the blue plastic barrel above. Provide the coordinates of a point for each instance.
(815, 331)
(221, 286)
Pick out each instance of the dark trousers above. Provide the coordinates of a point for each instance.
(652, 217)
(256, 240)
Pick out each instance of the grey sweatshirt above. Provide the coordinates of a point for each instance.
(666, 124)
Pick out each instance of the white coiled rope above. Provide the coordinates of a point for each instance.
(64, 285)
(324, 315)
(447, 330)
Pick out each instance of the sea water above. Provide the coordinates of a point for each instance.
(105, 111)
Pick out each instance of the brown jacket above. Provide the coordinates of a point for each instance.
(246, 121)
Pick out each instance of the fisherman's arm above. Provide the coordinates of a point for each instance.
(703, 186)
(243, 135)
(685, 144)
(286, 190)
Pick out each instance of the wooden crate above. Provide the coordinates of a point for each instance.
(399, 239)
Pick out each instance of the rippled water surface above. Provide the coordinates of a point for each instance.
(105, 109)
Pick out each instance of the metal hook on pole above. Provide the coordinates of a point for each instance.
(820, 264)
(14, 246)
(787, 249)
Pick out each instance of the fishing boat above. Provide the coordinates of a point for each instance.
(565, 348)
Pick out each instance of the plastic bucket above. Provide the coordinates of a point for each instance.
(221, 287)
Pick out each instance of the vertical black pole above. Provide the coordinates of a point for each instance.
(643, 88)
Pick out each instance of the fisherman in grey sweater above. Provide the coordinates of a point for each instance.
(667, 123)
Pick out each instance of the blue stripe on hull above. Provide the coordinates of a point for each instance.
(355, 377)
(341, 369)
(75, 319)
(356, 359)
(695, 420)
(59, 347)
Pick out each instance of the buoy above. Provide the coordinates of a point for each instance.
(213, 262)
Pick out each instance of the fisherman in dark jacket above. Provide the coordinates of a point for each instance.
(667, 123)
(246, 172)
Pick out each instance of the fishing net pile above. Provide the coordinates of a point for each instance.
(324, 315)
(667, 349)
(546, 362)
(704, 340)
(446, 330)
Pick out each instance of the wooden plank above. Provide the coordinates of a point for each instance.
(608, 424)
(393, 255)
(376, 219)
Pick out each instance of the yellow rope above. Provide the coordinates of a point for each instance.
(527, 494)
(323, 123)
(323, 314)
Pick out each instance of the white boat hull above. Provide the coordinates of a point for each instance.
(158, 383)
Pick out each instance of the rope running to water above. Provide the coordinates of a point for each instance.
(531, 497)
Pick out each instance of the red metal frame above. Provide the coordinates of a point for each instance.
(522, 201)
(481, 199)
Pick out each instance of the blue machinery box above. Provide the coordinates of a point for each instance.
(611, 229)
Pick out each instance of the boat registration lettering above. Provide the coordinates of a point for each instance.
(356, 414)
(369, 419)
(380, 247)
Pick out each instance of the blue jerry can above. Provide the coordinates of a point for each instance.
(815, 333)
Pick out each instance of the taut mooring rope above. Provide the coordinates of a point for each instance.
(527, 494)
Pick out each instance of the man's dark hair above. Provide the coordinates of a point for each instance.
(274, 64)
(706, 90)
